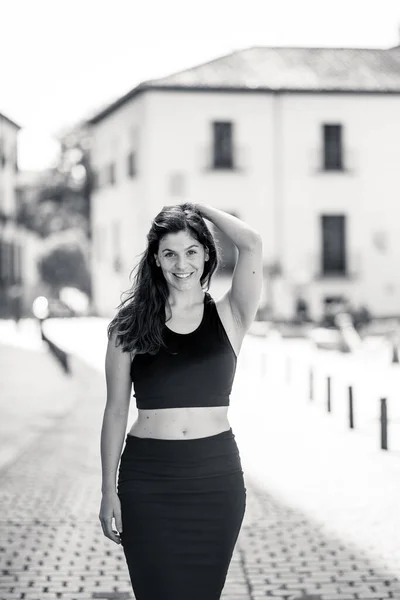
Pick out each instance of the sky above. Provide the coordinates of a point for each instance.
(62, 61)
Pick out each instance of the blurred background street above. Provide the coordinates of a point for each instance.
(284, 114)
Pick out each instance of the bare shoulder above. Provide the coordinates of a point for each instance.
(232, 325)
(118, 378)
(115, 351)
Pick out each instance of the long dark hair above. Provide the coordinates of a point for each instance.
(140, 319)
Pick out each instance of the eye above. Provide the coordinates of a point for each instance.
(168, 254)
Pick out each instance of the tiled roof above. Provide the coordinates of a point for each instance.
(296, 69)
(286, 69)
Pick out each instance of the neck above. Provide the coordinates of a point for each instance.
(186, 300)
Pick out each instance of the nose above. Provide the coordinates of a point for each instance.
(181, 263)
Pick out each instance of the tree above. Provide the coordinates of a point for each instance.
(60, 198)
(58, 202)
(65, 262)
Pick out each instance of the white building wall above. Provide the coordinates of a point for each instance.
(367, 193)
(179, 131)
(11, 268)
(119, 212)
(8, 147)
(279, 188)
(180, 141)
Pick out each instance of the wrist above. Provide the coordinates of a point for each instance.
(106, 491)
(196, 207)
(201, 208)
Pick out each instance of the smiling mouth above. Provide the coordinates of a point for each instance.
(182, 276)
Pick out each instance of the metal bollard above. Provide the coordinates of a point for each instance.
(311, 384)
(384, 423)
(395, 353)
(328, 382)
(351, 408)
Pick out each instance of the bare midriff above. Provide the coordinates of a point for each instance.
(181, 423)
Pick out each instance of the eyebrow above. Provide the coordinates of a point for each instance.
(168, 250)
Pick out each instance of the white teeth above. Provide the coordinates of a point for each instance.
(182, 276)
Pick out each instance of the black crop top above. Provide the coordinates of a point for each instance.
(198, 368)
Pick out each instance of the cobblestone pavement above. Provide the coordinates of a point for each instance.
(300, 535)
(33, 391)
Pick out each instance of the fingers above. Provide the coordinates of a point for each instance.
(108, 512)
(118, 525)
(106, 525)
(118, 520)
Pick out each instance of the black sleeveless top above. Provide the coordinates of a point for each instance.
(197, 369)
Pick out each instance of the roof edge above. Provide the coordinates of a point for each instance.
(13, 123)
(363, 48)
(260, 90)
(96, 118)
(152, 84)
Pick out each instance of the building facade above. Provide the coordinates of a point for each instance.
(302, 144)
(11, 236)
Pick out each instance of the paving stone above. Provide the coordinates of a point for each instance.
(52, 545)
(338, 596)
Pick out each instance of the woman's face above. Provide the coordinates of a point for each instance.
(181, 258)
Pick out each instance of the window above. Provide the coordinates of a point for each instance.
(2, 153)
(17, 264)
(132, 145)
(15, 158)
(116, 246)
(95, 179)
(131, 164)
(223, 145)
(333, 151)
(111, 173)
(4, 158)
(333, 244)
(1, 262)
(7, 248)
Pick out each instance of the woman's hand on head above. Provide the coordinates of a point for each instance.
(191, 207)
(111, 508)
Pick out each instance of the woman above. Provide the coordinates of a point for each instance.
(179, 499)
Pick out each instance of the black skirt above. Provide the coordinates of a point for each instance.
(182, 504)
